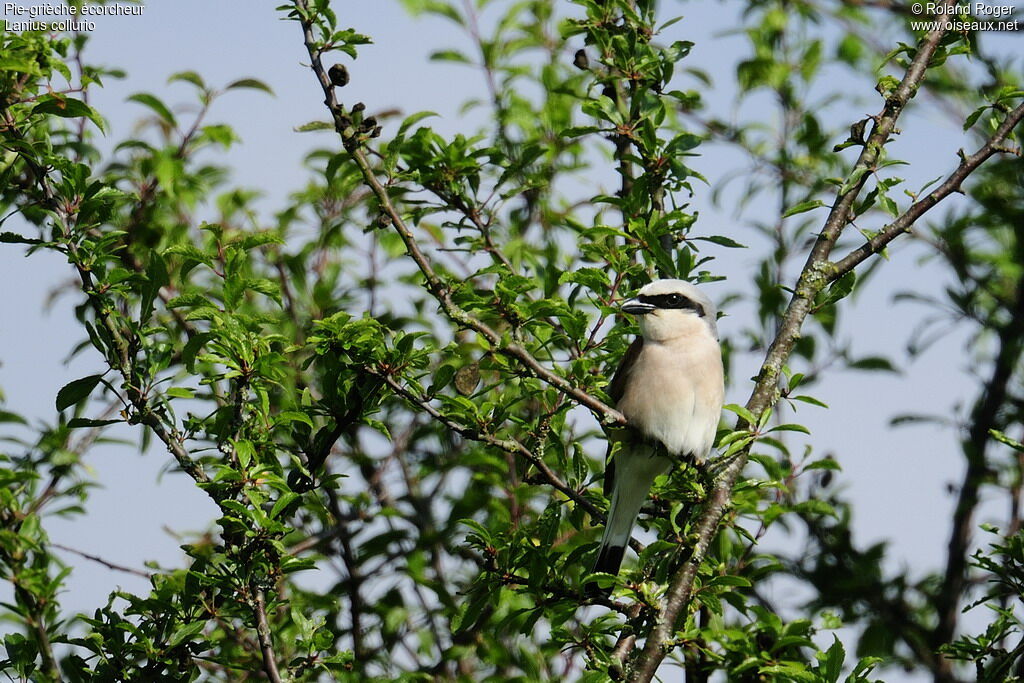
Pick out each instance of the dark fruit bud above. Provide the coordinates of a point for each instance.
(338, 75)
(580, 61)
(857, 131)
(369, 122)
(375, 133)
(358, 107)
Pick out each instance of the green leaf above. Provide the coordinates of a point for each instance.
(414, 119)
(294, 416)
(24, 66)
(268, 288)
(721, 240)
(7, 416)
(192, 347)
(840, 289)
(246, 452)
(832, 664)
(442, 378)
(250, 83)
(594, 279)
(480, 530)
(729, 580)
(873, 363)
(189, 252)
(803, 207)
(79, 422)
(823, 464)
(450, 56)
(854, 179)
(577, 131)
(281, 503)
(437, 7)
(789, 428)
(742, 412)
(185, 633)
(1004, 439)
(155, 104)
(167, 169)
(314, 125)
(67, 107)
(188, 77)
(73, 392)
(156, 277)
(15, 238)
(889, 205)
(815, 507)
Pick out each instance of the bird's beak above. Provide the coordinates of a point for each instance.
(637, 307)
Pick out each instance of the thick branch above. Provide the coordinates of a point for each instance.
(35, 620)
(975, 446)
(263, 633)
(812, 279)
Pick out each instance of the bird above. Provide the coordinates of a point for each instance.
(670, 388)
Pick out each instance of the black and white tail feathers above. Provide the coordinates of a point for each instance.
(632, 476)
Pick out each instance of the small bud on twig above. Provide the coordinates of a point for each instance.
(338, 75)
(580, 61)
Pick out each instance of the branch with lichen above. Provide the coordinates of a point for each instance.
(817, 273)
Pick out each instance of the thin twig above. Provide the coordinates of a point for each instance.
(510, 446)
(105, 563)
(263, 633)
(905, 222)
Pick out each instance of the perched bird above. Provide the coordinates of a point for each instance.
(670, 388)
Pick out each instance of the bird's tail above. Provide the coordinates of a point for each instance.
(633, 478)
(609, 558)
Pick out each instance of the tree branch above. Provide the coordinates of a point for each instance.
(510, 446)
(975, 446)
(99, 560)
(263, 633)
(120, 360)
(813, 278)
(435, 285)
(952, 184)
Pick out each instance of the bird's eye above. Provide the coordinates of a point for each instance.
(675, 299)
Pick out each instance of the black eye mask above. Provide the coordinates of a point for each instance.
(671, 301)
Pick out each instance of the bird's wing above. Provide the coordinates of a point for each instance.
(609, 472)
(618, 384)
(616, 389)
